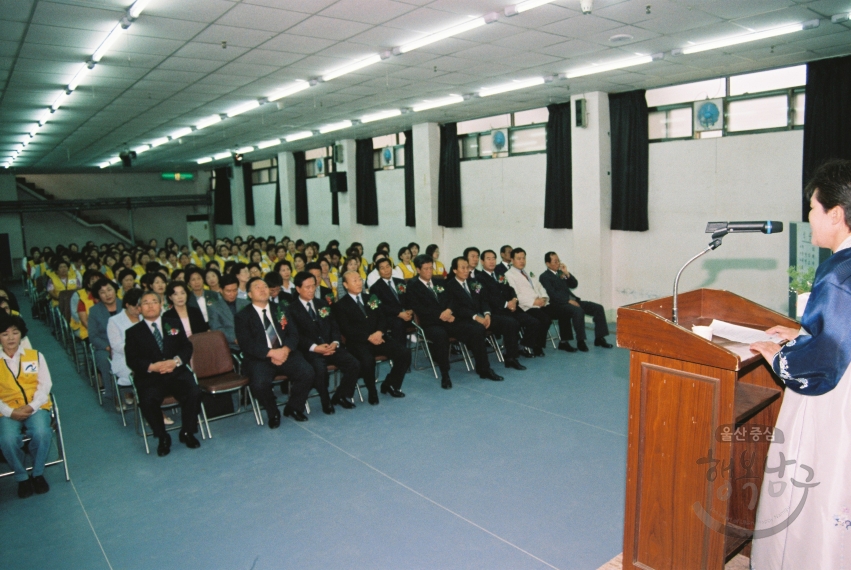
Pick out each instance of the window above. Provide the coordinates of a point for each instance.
(265, 171)
(319, 161)
(395, 144)
(770, 80)
(686, 93)
(760, 113)
(486, 137)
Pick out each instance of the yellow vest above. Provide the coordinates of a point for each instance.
(19, 392)
(58, 285)
(406, 273)
(76, 324)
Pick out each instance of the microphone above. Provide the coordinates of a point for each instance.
(767, 227)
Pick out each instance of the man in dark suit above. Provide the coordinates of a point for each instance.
(503, 301)
(157, 352)
(223, 312)
(505, 264)
(391, 292)
(430, 303)
(322, 292)
(363, 325)
(558, 282)
(468, 300)
(269, 343)
(319, 342)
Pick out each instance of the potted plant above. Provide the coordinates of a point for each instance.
(801, 283)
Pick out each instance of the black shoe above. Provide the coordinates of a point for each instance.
(582, 346)
(527, 352)
(40, 485)
(373, 398)
(446, 382)
(601, 342)
(565, 346)
(515, 364)
(25, 488)
(274, 420)
(491, 375)
(164, 446)
(328, 409)
(295, 414)
(393, 392)
(344, 403)
(189, 439)
(539, 353)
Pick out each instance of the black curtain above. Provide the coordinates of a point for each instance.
(410, 196)
(449, 178)
(827, 116)
(558, 200)
(279, 217)
(630, 155)
(366, 208)
(301, 217)
(248, 188)
(222, 206)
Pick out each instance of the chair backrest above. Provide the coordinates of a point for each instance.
(65, 304)
(210, 354)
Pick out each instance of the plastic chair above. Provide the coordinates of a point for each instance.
(56, 425)
(169, 403)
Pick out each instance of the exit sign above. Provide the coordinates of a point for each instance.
(178, 176)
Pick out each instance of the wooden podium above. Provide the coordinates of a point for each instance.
(691, 485)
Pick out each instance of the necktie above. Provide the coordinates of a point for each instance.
(393, 288)
(157, 335)
(270, 330)
(361, 307)
(433, 292)
(310, 311)
(467, 290)
(527, 278)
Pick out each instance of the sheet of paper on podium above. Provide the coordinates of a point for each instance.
(737, 333)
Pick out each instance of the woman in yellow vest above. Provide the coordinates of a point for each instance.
(81, 302)
(434, 252)
(406, 266)
(24, 401)
(60, 280)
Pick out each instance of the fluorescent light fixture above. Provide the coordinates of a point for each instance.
(104, 164)
(205, 160)
(380, 115)
(180, 133)
(523, 6)
(335, 127)
(513, 86)
(244, 108)
(107, 43)
(204, 123)
(352, 67)
(142, 148)
(434, 103)
(136, 9)
(436, 37)
(244, 150)
(267, 144)
(620, 64)
(115, 160)
(59, 101)
(299, 136)
(222, 155)
(839, 18)
(44, 117)
(287, 91)
(159, 142)
(78, 77)
(734, 40)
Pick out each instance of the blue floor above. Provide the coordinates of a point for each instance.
(525, 473)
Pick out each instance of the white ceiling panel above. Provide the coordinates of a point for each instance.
(529, 40)
(234, 36)
(155, 27)
(79, 17)
(211, 51)
(189, 64)
(328, 28)
(424, 21)
(16, 10)
(378, 11)
(307, 7)
(276, 59)
(59, 36)
(44, 52)
(732, 9)
(261, 18)
(581, 26)
(146, 44)
(297, 44)
(247, 69)
(205, 11)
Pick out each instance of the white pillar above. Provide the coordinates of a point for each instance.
(286, 179)
(346, 201)
(426, 171)
(592, 201)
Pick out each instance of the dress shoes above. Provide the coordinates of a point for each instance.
(294, 414)
(539, 353)
(373, 398)
(189, 440)
(446, 382)
(25, 488)
(566, 346)
(274, 420)
(328, 409)
(527, 352)
(582, 346)
(343, 403)
(164, 446)
(491, 375)
(40, 485)
(515, 364)
(393, 392)
(601, 342)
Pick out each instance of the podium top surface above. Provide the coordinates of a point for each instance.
(647, 327)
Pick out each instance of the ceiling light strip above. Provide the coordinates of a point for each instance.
(735, 40)
(603, 67)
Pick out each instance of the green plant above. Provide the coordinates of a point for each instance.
(801, 281)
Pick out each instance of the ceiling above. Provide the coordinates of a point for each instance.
(170, 69)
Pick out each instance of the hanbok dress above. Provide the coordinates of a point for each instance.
(803, 518)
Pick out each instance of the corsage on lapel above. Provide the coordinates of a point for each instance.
(373, 302)
(171, 331)
(401, 288)
(477, 287)
(282, 318)
(438, 288)
(501, 279)
(329, 299)
(324, 312)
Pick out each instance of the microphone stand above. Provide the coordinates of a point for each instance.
(714, 244)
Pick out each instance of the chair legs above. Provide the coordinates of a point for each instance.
(422, 343)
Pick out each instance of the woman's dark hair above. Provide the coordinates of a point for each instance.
(187, 275)
(124, 273)
(431, 249)
(7, 321)
(100, 284)
(302, 277)
(88, 275)
(132, 297)
(300, 256)
(236, 268)
(403, 250)
(213, 270)
(833, 182)
(280, 263)
(169, 290)
(177, 272)
(422, 259)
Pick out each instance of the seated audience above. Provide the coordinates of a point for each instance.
(285, 269)
(322, 292)
(363, 325)
(505, 263)
(532, 299)
(61, 280)
(242, 274)
(200, 298)
(558, 282)
(223, 311)
(391, 294)
(126, 281)
(191, 318)
(434, 253)
(25, 385)
(107, 307)
(352, 263)
(405, 267)
(115, 329)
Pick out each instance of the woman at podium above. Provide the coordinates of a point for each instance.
(804, 515)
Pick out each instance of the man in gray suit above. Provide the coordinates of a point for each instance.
(99, 314)
(223, 311)
(558, 282)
